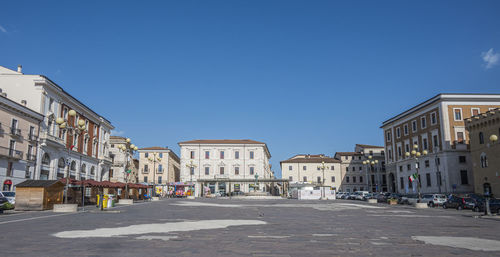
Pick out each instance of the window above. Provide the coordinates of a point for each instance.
(207, 170)
(436, 143)
(423, 122)
(347, 179)
(433, 118)
(32, 133)
(424, 143)
(463, 177)
(304, 179)
(145, 179)
(318, 179)
(475, 111)
(427, 163)
(192, 154)
(401, 168)
(146, 168)
(221, 170)
(160, 168)
(484, 160)
(222, 154)
(159, 179)
(353, 179)
(373, 178)
(236, 170)
(428, 179)
(332, 168)
(333, 178)
(388, 135)
(408, 167)
(207, 155)
(305, 168)
(290, 168)
(457, 114)
(405, 129)
(360, 179)
(160, 155)
(318, 168)
(371, 152)
(347, 157)
(353, 168)
(146, 155)
(407, 148)
(251, 155)
(461, 159)
(236, 155)
(460, 137)
(481, 138)
(398, 132)
(346, 168)
(384, 179)
(251, 170)
(402, 182)
(290, 178)
(45, 158)
(191, 170)
(414, 126)
(399, 151)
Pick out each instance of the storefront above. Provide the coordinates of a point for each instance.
(180, 189)
(7, 185)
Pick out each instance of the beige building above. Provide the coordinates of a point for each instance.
(485, 152)
(353, 177)
(376, 177)
(158, 165)
(121, 162)
(436, 126)
(19, 128)
(305, 168)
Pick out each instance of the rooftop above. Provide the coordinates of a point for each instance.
(221, 141)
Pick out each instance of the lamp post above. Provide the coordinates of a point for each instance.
(323, 167)
(154, 159)
(128, 148)
(416, 155)
(68, 128)
(368, 165)
(493, 139)
(191, 167)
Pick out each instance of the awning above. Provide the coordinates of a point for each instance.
(7, 182)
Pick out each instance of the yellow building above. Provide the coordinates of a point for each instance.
(484, 130)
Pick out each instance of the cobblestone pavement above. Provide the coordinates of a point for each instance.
(225, 227)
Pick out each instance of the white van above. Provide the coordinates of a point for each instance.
(360, 195)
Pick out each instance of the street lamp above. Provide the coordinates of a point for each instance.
(369, 165)
(154, 159)
(323, 167)
(68, 128)
(128, 148)
(487, 193)
(191, 167)
(416, 176)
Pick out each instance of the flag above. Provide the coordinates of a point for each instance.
(413, 177)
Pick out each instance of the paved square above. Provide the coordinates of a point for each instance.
(230, 227)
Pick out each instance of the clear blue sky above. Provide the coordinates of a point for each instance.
(302, 76)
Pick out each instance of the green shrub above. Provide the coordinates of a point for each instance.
(7, 206)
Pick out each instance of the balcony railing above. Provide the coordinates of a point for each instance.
(9, 152)
(15, 131)
(32, 137)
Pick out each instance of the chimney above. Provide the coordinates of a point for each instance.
(20, 68)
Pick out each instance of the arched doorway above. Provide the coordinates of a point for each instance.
(7, 185)
(392, 183)
(45, 169)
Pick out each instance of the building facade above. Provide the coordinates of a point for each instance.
(483, 129)
(376, 177)
(19, 127)
(306, 168)
(87, 152)
(224, 160)
(121, 162)
(436, 126)
(351, 171)
(158, 165)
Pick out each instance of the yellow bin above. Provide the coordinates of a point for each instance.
(104, 201)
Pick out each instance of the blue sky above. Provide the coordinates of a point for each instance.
(302, 76)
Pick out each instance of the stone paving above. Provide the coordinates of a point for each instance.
(229, 227)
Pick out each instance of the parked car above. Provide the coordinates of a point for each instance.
(3, 201)
(361, 195)
(394, 196)
(455, 201)
(433, 199)
(346, 195)
(494, 206)
(382, 198)
(11, 196)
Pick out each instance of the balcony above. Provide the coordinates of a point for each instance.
(30, 157)
(459, 145)
(32, 137)
(15, 132)
(11, 153)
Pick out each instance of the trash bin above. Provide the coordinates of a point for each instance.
(105, 201)
(111, 201)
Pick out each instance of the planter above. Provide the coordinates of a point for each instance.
(65, 208)
(126, 201)
(421, 205)
(372, 200)
(393, 202)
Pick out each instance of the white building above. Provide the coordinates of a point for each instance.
(89, 151)
(436, 126)
(214, 163)
(305, 168)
